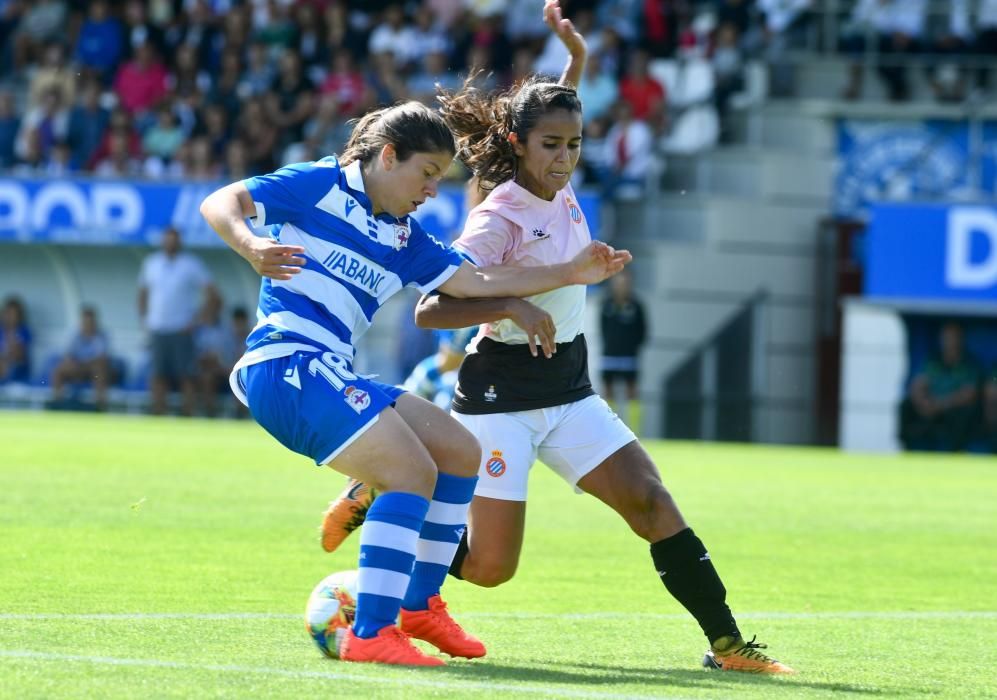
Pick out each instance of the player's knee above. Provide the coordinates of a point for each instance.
(465, 452)
(488, 574)
(652, 514)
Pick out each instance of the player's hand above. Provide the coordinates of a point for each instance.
(596, 262)
(563, 28)
(271, 259)
(537, 323)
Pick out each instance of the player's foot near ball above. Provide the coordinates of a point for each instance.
(389, 646)
(435, 626)
(734, 654)
(346, 514)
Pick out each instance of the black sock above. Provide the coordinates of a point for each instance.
(687, 572)
(458, 557)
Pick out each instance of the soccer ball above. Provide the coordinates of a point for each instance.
(331, 609)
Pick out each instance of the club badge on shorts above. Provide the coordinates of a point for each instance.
(495, 466)
(357, 399)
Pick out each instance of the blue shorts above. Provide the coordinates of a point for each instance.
(313, 403)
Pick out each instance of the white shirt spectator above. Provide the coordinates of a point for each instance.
(523, 21)
(892, 16)
(779, 14)
(553, 58)
(399, 43)
(634, 153)
(175, 285)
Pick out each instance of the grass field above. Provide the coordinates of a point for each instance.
(172, 558)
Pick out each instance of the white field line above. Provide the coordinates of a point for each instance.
(607, 615)
(456, 687)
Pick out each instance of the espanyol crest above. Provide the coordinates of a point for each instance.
(401, 236)
(357, 399)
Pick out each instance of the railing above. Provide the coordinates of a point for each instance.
(716, 392)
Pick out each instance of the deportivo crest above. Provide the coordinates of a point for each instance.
(357, 399)
(495, 466)
(402, 234)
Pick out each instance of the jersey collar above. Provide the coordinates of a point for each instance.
(354, 180)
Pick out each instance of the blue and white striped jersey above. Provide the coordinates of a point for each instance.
(355, 261)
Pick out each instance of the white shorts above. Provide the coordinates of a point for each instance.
(572, 439)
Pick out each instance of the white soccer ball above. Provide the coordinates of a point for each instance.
(331, 609)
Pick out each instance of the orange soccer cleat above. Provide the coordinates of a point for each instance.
(439, 629)
(346, 514)
(390, 646)
(738, 655)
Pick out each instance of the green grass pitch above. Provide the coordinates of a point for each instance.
(170, 558)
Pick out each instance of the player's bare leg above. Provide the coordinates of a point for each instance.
(629, 482)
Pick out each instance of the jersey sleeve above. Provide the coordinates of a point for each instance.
(283, 195)
(487, 238)
(429, 263)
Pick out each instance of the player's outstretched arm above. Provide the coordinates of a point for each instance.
(572, 40)
(442, 311)
(226, 211)
(596, 262)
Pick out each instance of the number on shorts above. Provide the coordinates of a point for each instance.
(333, 368)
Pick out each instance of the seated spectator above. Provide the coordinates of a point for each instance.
(638, 88)
(728, 71)
(15, 342)
(100, 43)
(88, 121)
(393, 37)
(10, 126)
(47, 123)
(940, 410)
(785, 28)
(627, 154)
(949, 44)
(597, 89)
(141, 83)
(345, 82)
(53, 73)
(422, 85)
(898, 26)
(87, 361)
(118, 163)
(163, 138)
(43, 21)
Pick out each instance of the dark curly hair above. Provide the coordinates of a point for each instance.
(482, 122)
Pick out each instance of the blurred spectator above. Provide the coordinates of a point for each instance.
(393, 37)
(10, 126)
(291, 99)
(727, 61)
(139, 30)
(985, 43)
(736, 13)
(87, 360)
(990, 409)
(623, 327)
(43, 126)
(310, 32)
(163, 138)
(642, 92)
(785, 23)
(43, 21)
(949, 44)
(659, 23)
(597, 89)
(88, 121)
(100, 43)
(446, 12)
(215, 354)
(897, 26)
(53, 73)
(172, 286)
(120, 124)
(627, 154)
(259, 74)
(427, 37)
(119, 162)
(141, 83)
(236, 161)
(259, 135)
(940, 410)
(346, 85)
(523, 23)
(422, 84)
(227, 91)
(188, 75)
(622, 16)
(15, 342)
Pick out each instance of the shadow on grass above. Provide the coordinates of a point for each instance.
(655, 679)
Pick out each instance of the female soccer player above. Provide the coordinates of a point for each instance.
(341, 244)
(523, 146)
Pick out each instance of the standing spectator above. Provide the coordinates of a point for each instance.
(898, 26)
(214, 355)
(88, 121)
(100, 44)
(15, 342)
(639, 89)
(172, 284)
(10, 126)
(624, 330)
(87, 361)
(940, 410)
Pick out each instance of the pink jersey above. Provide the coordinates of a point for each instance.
(515, 227)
